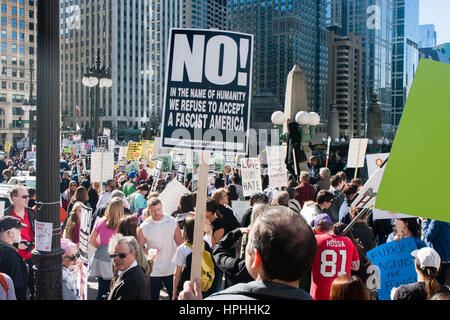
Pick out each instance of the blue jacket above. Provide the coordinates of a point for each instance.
(436, 235)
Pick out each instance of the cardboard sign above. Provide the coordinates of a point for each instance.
(181, 172)
(374, 161)
(134, 151)
(276, 166)
(208, 90)
(170, 196)
(356, 152)
(147, 149)
(85, 227)
(43, 235)
(396, 264)
(122, 152)
(251, 176)
(414, 149)
(102, 166)
(166, 160)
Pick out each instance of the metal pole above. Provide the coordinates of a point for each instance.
(30, 102)
(355, 219)
(97, 112)
(48, 265)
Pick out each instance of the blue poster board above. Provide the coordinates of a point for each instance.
(396, 264)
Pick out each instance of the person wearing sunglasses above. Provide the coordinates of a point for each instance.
(130, 283)
(69, 279)
(19, 209)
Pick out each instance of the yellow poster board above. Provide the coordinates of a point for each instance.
(134, 151)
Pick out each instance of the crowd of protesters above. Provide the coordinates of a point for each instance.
(287, 245)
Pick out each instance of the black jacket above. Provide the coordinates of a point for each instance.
(225, 258)
(13, 265)
(229, 220)
(132, 285)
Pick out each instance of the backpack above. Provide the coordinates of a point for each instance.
(130, 200)
(207, 273)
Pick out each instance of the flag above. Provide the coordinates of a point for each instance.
(78, 110)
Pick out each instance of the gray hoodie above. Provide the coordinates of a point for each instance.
(261, 290)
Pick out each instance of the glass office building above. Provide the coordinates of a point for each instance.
(405, 54)
(372, 20)
(286, 33)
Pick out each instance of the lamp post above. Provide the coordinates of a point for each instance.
(30, 105)
(97, 76)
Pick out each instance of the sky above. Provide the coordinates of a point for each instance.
(436, 12)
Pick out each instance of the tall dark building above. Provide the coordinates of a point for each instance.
(286, 33)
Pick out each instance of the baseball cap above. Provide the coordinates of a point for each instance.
(8, 223)
(132, 174)
(427, 257)
(321, 217)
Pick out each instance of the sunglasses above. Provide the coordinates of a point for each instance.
(120, 255)
(24, 196)
(73, 258)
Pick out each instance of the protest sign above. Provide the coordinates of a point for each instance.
(208, 90)
(356, 151)
(414, 149)
(194, 181)
(133, 166)
(251, 176)
(102, 166)
(181, 172)
(171, 195)
(166, 160)
(85, 228)
(177, 159)
(382, 214)
(2, 208)
(134, 151)
(276, 166)
(103, 143)
(375, 161)
(122, 152)
(239, 207)
(396, 264)
(147, 149)
(43, 232)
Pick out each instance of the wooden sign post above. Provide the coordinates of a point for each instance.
(200, 208)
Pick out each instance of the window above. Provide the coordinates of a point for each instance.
(14, 23)
(4, 7)
(21, 24)
(13, 48)
(21, 12)
(3, 84)
(2, 97)
(4, 35)
(4, 21)
(21, 36)
(14, 35)
(14, 10)
(4, 47)
(31, 26)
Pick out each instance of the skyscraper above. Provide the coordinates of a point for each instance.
(427, 36)
(345, 81)
(372, 20)
(166, 14)
(405, 56)
(18, 53)
(286, 32)
(119, 29)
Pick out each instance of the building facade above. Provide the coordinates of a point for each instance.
(18, 54)
(285, 33)
(345, 81)
(405, 54)
(372, 20)
(444, 48)
(427, 36)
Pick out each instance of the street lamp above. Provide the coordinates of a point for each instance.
(97, 76)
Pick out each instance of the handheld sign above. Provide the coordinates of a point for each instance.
(375, 161)
(251, 176)
(356, 151)
(85, 225)
(276, 166)
(207, 94)
(134, 151)
(102, 166)
(43, 235)
(396, 264)
(171, 196)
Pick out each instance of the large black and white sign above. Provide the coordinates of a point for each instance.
(208, 90)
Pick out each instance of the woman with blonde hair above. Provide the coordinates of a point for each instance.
(72, 231)
(229, 219)
(104, 227)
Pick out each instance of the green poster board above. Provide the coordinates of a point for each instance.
(417, 174)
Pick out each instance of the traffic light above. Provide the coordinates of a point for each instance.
(20, 122)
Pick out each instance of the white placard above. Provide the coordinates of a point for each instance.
(381, 214)
(43, 236)
(356, 153)
(122, 152)
(276, 166)
(239, 207)
(170, 197)
(374, 161)
(85, 227)
(369, 191)
(251, 176)
(2, 208)
(102, 166)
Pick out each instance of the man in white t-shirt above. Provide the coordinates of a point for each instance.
(160, 232)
